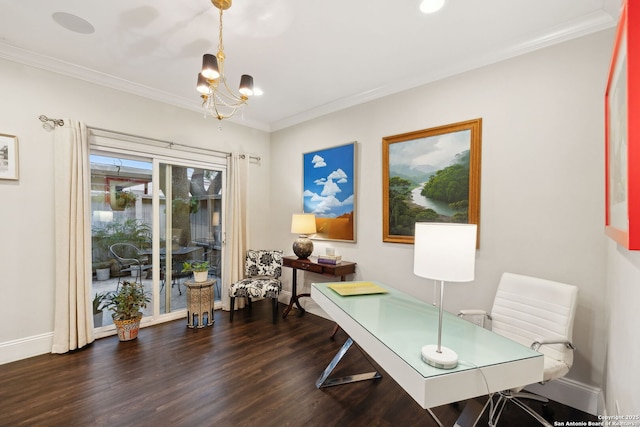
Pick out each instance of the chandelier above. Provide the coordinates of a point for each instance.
(217, 98)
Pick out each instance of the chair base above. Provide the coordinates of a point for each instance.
(504, 397)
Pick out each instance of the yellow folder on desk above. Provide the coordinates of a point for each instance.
(357, 288)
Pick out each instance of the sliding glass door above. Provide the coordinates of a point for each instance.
(189, 227)
(149, 216)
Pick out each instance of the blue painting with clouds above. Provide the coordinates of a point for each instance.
(329, 187)
(328, 181)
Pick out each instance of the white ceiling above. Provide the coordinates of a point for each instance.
(310, 57)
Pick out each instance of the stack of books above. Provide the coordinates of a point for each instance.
(329, 259)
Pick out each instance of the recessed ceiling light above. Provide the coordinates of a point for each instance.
(431, 6)
(73, 23)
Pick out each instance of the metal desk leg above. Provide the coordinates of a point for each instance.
(471, 413)
(325, 381)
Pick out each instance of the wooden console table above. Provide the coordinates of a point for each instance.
(311, 264)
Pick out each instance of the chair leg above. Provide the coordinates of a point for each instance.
(176, 281)
(503, 399)
(232, 309)
(496, 409)
(531, 412)
(275, 309)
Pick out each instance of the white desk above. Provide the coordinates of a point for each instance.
(393, 327)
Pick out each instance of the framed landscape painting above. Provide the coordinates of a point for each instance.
(430, 175)
(329, 191)
(622, 134)
(8, 157)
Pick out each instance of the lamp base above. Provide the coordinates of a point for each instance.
(303, 247)
(445, 359)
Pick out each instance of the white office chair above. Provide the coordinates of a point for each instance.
(537, 313)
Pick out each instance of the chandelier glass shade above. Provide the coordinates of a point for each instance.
(217, 98)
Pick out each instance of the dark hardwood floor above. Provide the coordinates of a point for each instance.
(248, 373)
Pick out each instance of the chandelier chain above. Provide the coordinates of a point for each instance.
(220, 45)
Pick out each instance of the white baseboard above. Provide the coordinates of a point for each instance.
(11, 351)
(571, 393)
(602, 405)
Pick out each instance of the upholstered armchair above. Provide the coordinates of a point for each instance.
(262, 270)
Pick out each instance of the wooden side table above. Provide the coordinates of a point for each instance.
(311, 264)
(200, 300)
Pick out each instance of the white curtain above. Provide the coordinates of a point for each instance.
(73, 321)
(237, 235)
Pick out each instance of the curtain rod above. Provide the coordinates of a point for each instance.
(170, 144)
(50, 126)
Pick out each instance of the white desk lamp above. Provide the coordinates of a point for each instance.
(444, 252)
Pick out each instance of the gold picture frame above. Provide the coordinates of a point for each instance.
(9, 163)
(431, 175)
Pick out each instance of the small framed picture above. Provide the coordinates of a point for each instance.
(8, 156)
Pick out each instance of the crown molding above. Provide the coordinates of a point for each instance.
(588, 24)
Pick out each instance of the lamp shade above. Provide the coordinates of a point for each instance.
(303, 223)
(203, 85)
(210, 66)
(445, 251)
(246, 85)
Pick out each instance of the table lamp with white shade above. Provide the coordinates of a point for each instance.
(444, 252)
(303, 225)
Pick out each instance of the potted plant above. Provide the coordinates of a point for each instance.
(123, 200)
(98, 303)
(102, 269)
(200, 269)
(125, 303)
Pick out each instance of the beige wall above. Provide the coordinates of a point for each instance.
(622, 370)
(542, 179)
(26, 221)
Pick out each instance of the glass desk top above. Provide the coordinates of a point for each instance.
(405, 324)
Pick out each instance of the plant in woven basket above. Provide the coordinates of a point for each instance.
(124, 199)
(127, 301)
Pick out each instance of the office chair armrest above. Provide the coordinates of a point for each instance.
(463, 313)
(539, 343)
